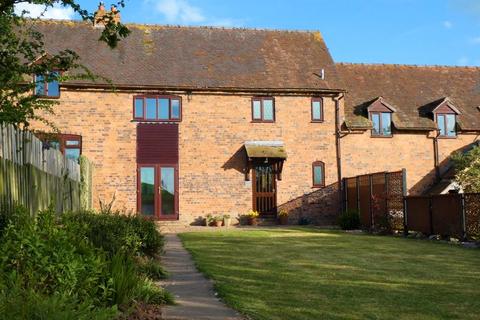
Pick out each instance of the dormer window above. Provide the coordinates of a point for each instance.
(47, 85)
(380, 113)
(445, 115)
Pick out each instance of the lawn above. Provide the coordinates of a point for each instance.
(306, 273)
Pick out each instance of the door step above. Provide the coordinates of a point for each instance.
(267, 220)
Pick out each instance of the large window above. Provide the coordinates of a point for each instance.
(381, 124)
(157, 108)
(263, 109)
(317, 110)
(318, 174)
(47, 85)
(69, 144)
(446, 123)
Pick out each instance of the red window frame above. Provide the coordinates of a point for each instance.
(157, 98)
(62, 139)
(157, 180)
(261, 119)
(46, 85)
(322, 115)
(322, 165)
(381, 135)
(444, 115)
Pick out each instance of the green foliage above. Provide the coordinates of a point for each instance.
(57, 265)
(349, 220)
(152, 269)
(115, 232)
(23, 54)
(467, 167)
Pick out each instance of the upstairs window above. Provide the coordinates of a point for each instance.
(263, 109)
(317, 110)
(318, 174)
(47, 85)
(446, 123)
(157, 108)
(381, 123)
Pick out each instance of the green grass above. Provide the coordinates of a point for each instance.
(306, 273)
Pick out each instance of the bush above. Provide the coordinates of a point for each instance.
(149, 292)
(114, 232)
(349, 220)
(152, 269)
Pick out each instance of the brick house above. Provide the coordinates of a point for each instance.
(213, 121)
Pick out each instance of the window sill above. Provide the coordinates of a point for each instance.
(318, 186)
(447, 137)
(47, 97)
(317, 121)
(259, 121)
(156, 121)
(381, 136)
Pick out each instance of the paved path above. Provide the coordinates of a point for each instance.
(194, 293)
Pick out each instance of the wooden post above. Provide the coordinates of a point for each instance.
(405, 209)
(370, 181)
(464, 220)
(358, 194)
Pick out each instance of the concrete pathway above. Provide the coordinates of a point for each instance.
(193, 293)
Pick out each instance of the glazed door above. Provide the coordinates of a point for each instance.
(264, 189)
(158, 191)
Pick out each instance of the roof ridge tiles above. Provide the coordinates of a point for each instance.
(404, 65)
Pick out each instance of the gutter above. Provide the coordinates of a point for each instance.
(338, 124)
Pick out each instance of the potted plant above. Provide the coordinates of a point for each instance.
(283, 217)
(208, 220)
(226, 220)
(218, 221)
(252, 216)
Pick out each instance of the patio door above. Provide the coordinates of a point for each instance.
(158, 191)
(264, 189)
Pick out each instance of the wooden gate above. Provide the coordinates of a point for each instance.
(264, 189)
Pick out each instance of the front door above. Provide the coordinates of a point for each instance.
(264, 189)
(157, 191)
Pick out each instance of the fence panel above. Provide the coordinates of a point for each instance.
(447, 215)
(418, 218)
(35, 177)
(472, 215)
(378, 197)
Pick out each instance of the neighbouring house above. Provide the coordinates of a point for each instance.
(213, 120)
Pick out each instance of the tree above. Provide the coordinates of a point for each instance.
(467, 167)
(22, 55)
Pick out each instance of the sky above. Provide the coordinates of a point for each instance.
(424, 32)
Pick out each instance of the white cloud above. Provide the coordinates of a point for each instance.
(183, 12)
(447, 24)
(179, 11)
(38, 11)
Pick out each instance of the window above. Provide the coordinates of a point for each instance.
(69, 144)
(157, 108)
(47, 85)
(446, 124)
(317, 110)
(263, 109)
(318, 174)
(381, 123)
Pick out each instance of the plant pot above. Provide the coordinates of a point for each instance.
(218, 223)
(252, 221)
(227, 221)
(283, 220)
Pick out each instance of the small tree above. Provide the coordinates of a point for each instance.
(22, 54)
(467, 166)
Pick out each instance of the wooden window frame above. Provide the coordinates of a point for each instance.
(46, 85)
(322, 114)
(61, 139)
(322, 165)
(380, 135)
(157, 215)
(261, 99)
(157, 98)
(443, 114)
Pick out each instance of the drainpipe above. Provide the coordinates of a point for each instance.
(436, 156)
(338, 125)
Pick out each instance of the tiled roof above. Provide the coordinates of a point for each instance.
(413, 90)
(200, 57)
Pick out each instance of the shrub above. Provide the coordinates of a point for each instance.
(349, 220)
(152, 269)
(150, 293)
(125, 280)
(114, 232)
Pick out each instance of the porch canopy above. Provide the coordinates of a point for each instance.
(267, 153)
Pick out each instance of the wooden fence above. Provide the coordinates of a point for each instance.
(456, 215)
(36, 177)
(378, 198)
